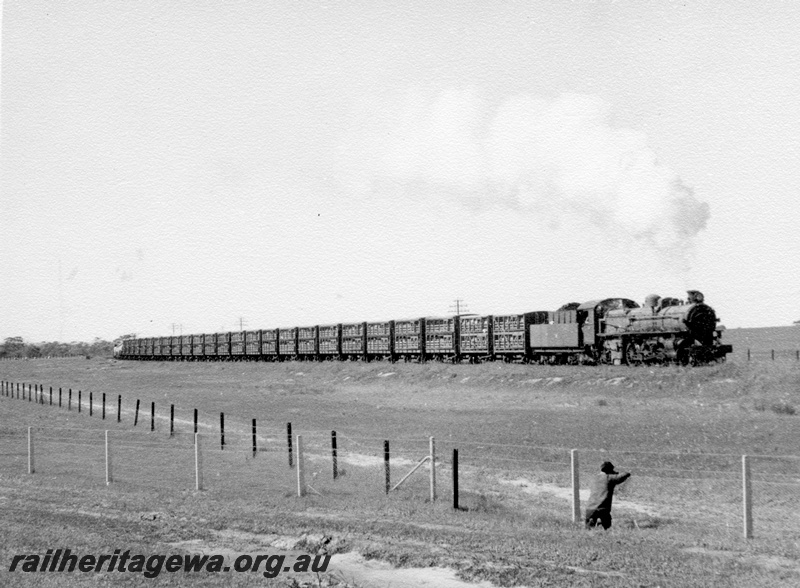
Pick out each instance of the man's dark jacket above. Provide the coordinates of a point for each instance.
(602, 491)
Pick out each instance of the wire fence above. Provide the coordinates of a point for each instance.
(722, 494)
(761, 354)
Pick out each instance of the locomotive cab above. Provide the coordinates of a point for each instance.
(602, 318)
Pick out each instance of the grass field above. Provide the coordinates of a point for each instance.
(761, 341)
(680, 431)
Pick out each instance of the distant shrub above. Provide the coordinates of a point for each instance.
(783, 408)
(602, 402)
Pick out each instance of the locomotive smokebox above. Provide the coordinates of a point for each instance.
(701, 321)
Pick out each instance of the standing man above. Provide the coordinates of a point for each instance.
(598, 509)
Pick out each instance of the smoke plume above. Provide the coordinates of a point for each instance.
(561, 155)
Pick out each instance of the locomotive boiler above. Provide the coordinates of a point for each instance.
(663, 330)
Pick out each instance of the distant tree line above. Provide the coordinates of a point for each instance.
(16, 347)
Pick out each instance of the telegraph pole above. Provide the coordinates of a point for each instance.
(242, 323)
(459, 306)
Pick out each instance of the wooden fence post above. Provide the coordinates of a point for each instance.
(104, 406)
(152, 416)
(108, 460)
(195, 421)
(51, 396)
(59, 398)
(333, 455)
(747, 498)
(432, 455)
(455, 479)
(301, 477)
(386, 465)
(119, 408)
(198, 463)
(91, 404)
(31, 467)
(773, 355)
(171, 420)
(748, 355)
(79, 400)
(69, 406)
(136, 415)
(576, 487)
(222, 430)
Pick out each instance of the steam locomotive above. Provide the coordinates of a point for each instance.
(605, 331)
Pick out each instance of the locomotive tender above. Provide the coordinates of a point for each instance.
(605, 331)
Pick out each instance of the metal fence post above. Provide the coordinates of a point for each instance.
(747, 498)
(576, 487)
(334, 455)
(255, 446)
(289, 441)
(386, 464)
(455, 479)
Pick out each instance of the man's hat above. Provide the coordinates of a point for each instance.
(607, 467)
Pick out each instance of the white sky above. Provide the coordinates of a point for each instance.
(290, 163)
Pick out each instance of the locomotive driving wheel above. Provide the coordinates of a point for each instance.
(633, 355)
(686, 355)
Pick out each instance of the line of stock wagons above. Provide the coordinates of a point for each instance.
(611, 330)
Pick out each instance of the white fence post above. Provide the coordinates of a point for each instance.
(747, 498)
(576, 487)
(198, 463)
(108, 461)
(432, 455)
(31, 469)
(301, 476)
